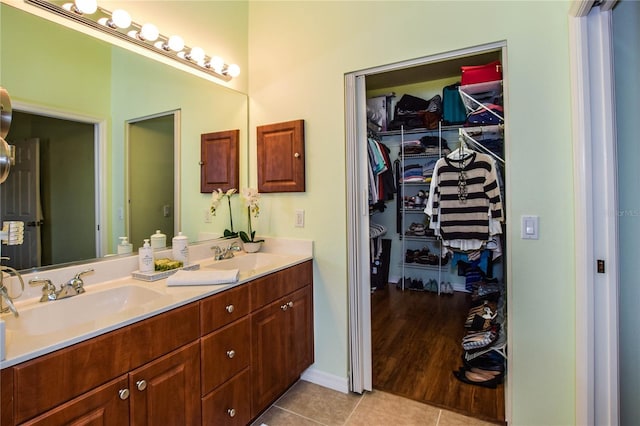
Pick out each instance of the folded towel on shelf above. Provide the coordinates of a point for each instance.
(201, 277)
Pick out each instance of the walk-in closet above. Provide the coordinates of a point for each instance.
(436, 147)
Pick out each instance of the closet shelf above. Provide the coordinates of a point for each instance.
(421, 266)
(412, 156)
(404, 210)
(418, 130)
(418, 238)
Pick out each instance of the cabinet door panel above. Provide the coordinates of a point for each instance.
(301, 332)
(268, 368)
(224, 353)
(219, 161)
(166, 391)
(281, 156)
(223, 308)
(99, 407)
(6, 397)
(228, 405)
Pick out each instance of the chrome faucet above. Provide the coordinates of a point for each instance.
(225, 253)
(71, 288)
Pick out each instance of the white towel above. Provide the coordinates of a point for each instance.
(200, 277)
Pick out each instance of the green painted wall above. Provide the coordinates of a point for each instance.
(298, 72)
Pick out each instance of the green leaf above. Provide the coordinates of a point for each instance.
(245, 238)
(229, 234)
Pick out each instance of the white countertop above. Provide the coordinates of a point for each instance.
(39, 340)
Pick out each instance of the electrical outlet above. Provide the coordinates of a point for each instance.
(299, 218)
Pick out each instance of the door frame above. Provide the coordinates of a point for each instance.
(596, 222)
(358, 279)
(100, 162)
(177, 132)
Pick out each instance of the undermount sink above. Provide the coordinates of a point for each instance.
(249, 262)
(81, 311)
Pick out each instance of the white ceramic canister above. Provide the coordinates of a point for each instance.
(158, 240)
(180, 248)
(125, 246)
(145, 258)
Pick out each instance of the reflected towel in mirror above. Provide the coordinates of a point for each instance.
(184, 277)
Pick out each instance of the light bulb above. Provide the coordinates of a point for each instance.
(175, 43)
(121, 18)
(216, 63)
(233, 70)
(149, 32)
(86, 6)
(196, 54)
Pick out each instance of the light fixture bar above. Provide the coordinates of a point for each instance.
(221, 73)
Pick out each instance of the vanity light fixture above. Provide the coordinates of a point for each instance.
(119, 24)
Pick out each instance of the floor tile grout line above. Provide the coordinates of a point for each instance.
(354, 408)
(300, 415)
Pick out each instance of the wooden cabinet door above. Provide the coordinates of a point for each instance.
(268, 362)
(167, 391)
(102, 406)
(219, 161)
(280, 149)
(300, 320)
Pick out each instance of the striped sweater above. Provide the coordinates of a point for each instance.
(465, 218)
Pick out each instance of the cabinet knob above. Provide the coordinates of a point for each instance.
(230, 308)
(123, 394)
(141, 385)
(231, 353)
(290, 304)
(284, 307)
(297, 155)
(201, 163)
(231, 412)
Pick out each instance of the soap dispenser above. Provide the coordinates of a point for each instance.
(180, 248)
(158, 240)
(145, 258)
(125, 246)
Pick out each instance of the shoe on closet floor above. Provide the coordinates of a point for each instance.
(478, 379)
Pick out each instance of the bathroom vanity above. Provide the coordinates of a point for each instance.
(212, 355)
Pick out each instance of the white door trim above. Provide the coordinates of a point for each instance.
(596, 236)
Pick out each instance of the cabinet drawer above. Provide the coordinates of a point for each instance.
(229, 404)
(224, 354)
(272, 287)
(223, 308)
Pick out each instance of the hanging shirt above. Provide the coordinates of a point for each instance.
(464, 203)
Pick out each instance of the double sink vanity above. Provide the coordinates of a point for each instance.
(133, 352)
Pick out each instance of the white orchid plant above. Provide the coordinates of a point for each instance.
(251, 197)
(216, 199)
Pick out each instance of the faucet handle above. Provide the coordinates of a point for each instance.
(48, 290)
(77, 282)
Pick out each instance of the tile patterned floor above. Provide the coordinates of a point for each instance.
(310, 404)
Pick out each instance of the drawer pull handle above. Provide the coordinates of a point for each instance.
(123, 394)
(141, 385)
(230, 308)
(231, 353)
(231, 412)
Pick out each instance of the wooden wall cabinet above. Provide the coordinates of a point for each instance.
(281, 157)
(219, 161)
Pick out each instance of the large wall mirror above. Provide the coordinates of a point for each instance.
(75, 98)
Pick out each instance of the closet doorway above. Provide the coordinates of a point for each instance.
(397, 316)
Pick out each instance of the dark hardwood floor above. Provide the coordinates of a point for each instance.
(416, 347)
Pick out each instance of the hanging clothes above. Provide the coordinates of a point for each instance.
(382, 185)
(465, 204)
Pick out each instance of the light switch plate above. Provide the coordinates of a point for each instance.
(299, 218)
(530, 227)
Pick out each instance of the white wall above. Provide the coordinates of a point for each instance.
(298, 55)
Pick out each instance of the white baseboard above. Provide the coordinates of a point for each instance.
(340, 384)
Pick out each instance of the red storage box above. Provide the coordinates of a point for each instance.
(481, 73)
